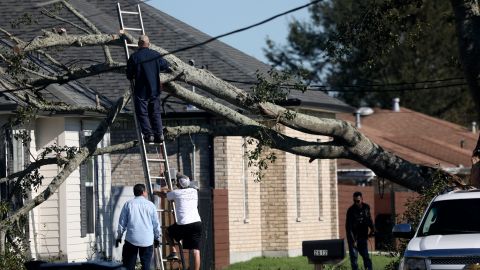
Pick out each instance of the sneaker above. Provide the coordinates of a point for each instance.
(158, 138)
(148, 138)
(172, 257)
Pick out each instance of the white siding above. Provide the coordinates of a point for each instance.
(56, 224)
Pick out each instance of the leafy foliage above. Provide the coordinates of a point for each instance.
(371, 51)
(12, 260)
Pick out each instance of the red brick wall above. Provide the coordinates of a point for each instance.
(345, 200)
(383, 205)
(220, 228)
(401, 199)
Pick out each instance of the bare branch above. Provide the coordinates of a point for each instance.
(62, 160)
(42, 75)
(106, 50)
(53, 16)
(79, 73)
(12, 37)
(255, 129)
(27, 97)
(279, 141)
(51, 39)
(72, 164)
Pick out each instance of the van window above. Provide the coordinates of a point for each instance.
(452, 217)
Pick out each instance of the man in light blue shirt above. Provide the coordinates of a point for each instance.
(139, 218)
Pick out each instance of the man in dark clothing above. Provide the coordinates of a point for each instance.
(144, 66)
(358, 223)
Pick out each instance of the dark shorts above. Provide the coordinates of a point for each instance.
(190, 234)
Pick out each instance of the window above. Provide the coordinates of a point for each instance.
(18, 153)
(88, 178)
(13, 158)
(452, 217)
(89, 196)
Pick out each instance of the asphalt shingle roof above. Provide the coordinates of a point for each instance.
(223, 60)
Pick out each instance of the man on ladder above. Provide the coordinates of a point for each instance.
(144, 66)
(188, 227)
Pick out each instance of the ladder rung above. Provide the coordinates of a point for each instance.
(133, 29)
(157, 177)
(156, 159)
(164, 210)
(129, 12)
(132, 45)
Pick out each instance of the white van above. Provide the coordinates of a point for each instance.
(448, 236)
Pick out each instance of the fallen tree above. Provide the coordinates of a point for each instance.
(346, 141)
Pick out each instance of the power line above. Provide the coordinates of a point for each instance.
(242, 29)
(361, 88)
(327, 88)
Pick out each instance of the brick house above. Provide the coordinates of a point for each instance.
(413, 136)
(242, 219)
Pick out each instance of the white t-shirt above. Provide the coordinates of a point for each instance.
(186, 204)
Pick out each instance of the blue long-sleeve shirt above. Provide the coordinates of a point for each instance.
(145, 66)
(139, 218)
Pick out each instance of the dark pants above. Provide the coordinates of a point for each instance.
(362, 248)
(129, 256)
(149, 116)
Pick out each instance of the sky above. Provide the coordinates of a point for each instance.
(216, 17)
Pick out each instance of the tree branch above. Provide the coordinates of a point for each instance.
(53, 16)
(53, 40)
(257, 130)
(62, 160)
(72, 164)
(106, 50)
(80, 73)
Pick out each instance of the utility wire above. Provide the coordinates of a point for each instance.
(361, 88)
(327, 88)
(242, 29)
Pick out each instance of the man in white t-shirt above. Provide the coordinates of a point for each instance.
(188, 227)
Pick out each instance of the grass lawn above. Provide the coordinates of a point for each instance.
(294, 263)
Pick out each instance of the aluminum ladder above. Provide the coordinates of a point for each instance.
(166, 213)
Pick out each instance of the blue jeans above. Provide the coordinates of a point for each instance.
(362, 248)
(129, 256)
(149, 115)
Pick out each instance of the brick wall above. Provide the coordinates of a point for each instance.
(311, 204)
(232, 172)
(127, 168)
(274, 208)
(345, 200)
(383, 203)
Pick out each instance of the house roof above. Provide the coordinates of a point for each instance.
(165, 31)
(72, 93)
(416, 137)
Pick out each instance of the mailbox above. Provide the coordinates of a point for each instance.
(324, 251)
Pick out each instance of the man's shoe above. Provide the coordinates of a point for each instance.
(148, 138)
(159, 138)
(172, 257)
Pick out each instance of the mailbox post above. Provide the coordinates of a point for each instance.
(320, 252)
